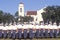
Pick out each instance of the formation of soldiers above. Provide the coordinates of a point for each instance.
(29, 32)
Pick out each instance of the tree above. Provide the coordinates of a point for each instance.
(52, 13)
(8, 18)
(26, 19)
(1, 16)
(16, 17)
(16, 14)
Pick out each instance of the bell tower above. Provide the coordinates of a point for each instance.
(21, 10)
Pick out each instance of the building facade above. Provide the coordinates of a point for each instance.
(39, 15)
(32, 14)
(35, 14)
(21, 10)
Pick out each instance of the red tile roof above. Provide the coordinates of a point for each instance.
(31, 12)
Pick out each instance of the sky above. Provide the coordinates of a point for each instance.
(11, 6)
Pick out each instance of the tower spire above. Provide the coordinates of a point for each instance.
(21, 3)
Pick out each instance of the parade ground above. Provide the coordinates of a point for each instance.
(34, 39)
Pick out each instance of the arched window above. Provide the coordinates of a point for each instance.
(20, 9)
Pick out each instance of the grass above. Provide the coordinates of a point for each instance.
(35, 39)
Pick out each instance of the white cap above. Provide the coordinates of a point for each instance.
(19, 26)
(5, 28)
(37, 27)
(25, 26)
(46, 27)
(1, 27)
(31, 26)
(12, 27)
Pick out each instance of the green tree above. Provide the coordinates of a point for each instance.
(1, 16)
(52, 13)
(16, 17)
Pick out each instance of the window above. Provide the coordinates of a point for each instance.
(20, 9)
(36, 19)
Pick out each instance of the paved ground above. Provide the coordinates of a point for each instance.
(35, 39)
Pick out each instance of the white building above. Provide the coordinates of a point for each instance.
(39, 15)
(35, 14)
(32, 14)
(21, 10)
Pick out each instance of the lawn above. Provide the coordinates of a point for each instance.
(35, 39)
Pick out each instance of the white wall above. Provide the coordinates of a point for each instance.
(21, 13)
(39, 15)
